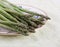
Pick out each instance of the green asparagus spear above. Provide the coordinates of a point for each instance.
(12, 23)
(3, 18)
(24, 10)
(29, 21)
(20, 20)
(4, 13)
(7, 27)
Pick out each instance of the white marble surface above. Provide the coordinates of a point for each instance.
(47, 36)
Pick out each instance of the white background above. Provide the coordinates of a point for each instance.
(47, 36)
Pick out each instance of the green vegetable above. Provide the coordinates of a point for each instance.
(7, 27)
(4, 13)
(18, 19)
(3, 18)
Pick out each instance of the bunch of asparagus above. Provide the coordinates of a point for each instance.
(19, 19)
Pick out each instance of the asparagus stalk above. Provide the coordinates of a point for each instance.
(11, 11)
(16, 13)
(32, 31)
(25, 10)
(23, 31)
(12, 23)
(7, 27)
(24, 18)
(29, 21)
(7, 15)
(20, 20)
(20, 30)
(13, 7)
(21, 17)
(3, 18)
(13, 29)
(10, 8)
(37, 21)
(5, 5)
(15, 19)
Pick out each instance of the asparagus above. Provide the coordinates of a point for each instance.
(16, 13)
(18, 19)
(29, 21)
(7, 15)
(37, 21)
(5, 5)
(3, 18)
(13, 7)
(11, 11)
(7, 27)
(23, 31)
(25, 10)
(32, 31)
(20, 30)
(15, 28)
(12, 23)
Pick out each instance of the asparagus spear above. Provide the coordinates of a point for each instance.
(13, 29)
(5, 5)
(16, 13)
(23, 31)
(20, 20)
(4, 13)
(37, 21)
(13, 7)
(20, 30)
(3, 18)
(32, 31)
(13, 18)
(12, 23)
(7, 27)
(29, 21)
(24, 10)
